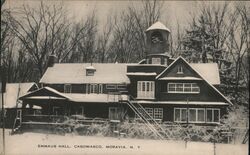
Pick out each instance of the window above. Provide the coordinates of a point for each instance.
(183, 88)
(179, 70)
(150, 112)
(110, 86)
(156, 37)
(155, 113)
(145, 89)
(213, 115)
(156, 61)
(197, 115)
(121, 86)
(90, 72)
(158, 113)
(115, 113)
(165, 61)
(180, 114)
(67, 88)
(94, 88)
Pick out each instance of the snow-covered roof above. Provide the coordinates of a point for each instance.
(180, 102)
(209, 71)
(11, 95)
(76, 73)
(53, 94)
(90, 67)
(50, 93)
(158, 26)
(142, 74)
(180, 78)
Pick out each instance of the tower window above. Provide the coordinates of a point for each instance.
(156, 37)
(156, 61)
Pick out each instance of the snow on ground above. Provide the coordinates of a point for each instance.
(38, 143)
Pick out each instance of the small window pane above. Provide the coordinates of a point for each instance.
(177, 115)
(179, 87)
(143, 86)
(192, 115)
(147, 86)
(209, 115)
(165, 61)
(158, 113)
(139, 86)
(201, 114)
(149, 111)
(171, 87)
(216, 116)
(156, 61)
(183, 115)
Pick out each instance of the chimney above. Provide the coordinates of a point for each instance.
(52, 60)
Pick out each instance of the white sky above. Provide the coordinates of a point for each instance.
(79, 9)
(174, 11)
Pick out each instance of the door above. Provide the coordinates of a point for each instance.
(145, 89)
(115, 113)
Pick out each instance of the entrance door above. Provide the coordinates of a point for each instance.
(115, 113)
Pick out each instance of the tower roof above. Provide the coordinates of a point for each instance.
(158, 26)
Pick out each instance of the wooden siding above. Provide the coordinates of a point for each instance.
(146, 68)
(81, 88)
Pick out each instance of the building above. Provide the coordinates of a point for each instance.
(11, 95)
(159, 87)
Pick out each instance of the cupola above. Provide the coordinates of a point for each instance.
(157, 39)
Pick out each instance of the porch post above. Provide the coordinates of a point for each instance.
(187, 112)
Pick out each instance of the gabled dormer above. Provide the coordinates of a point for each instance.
(90, 70)
(181, 81)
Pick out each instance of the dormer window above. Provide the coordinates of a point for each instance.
(156, 61)
(180, 70)
(90, 71)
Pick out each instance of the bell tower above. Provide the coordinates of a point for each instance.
(157, 41)
(157, 45)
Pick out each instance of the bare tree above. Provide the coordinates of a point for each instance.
(128, 43)
(84, 37)
(238, 42)
(104, 39)
(42, 32)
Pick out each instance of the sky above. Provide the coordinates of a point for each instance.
(174, 11)
(77, 10)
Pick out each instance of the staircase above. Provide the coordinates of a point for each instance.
(18, 120)
(150, 122)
